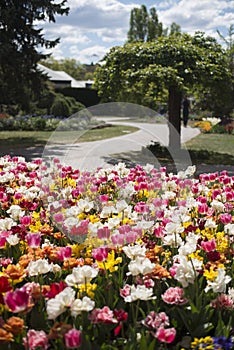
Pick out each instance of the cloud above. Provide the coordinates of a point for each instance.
(199, 15)
(90, 54)
(68, 33)
(94, 14)
(94, 26)
(111, 35)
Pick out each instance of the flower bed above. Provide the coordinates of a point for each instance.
(115, 259)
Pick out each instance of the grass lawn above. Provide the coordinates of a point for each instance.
(210, 149)
(221, 143)
(40, 138)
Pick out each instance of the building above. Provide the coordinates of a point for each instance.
(81, 90)
(61, 79)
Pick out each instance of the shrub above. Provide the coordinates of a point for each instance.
(223, 128)
(29, 123)
(39, 123)
(74, 105)
(61, 107)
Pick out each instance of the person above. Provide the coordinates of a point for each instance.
(186, 107)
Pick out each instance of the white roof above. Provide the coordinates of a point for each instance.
(58, 75)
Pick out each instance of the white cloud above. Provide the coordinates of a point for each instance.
(93, 26)
(68, 33)
(111, 35)
(97, 14)
(90, 54)
(199, 15)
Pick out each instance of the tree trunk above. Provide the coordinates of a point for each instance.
(174, 111)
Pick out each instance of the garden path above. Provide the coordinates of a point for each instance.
(89, 155)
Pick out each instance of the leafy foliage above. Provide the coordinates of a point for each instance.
(174, 63)
(60, 107)
(181, 61)
(145, 26)
(20, 38)
(72, 67)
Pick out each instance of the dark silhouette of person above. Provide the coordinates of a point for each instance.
(186, 107)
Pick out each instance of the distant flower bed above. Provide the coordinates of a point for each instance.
(115, 259)
(215, 126)
(29, 123)
(77, 121)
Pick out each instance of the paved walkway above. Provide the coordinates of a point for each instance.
(128, 148)
(90, 155)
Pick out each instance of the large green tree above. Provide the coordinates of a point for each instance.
(175, 63)
(20, 42)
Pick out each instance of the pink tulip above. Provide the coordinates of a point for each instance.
(173, 269)
(215, 193)
(208, 246)
(118, 239)
(203, 208)
(223, 301)
(131, 237)
(58, 217)
(100, 254)
(103, 233)
(126, 291)
(18, 196)
(158, 232)
(213, 176)
(5, 261)
(18, 300)
(82, 229)
(26, 220)
(174, 296)
(73, 339)
(104, 198)
(148, 282)
(156, 320)
(35, 340)
(64, 253)
(141, 207)
(124, 229)
(104, 315)
(226, 218)
(33, 239)
(166, 335)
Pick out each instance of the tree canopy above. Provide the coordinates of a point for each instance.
(71, 66)
(140, 71)
(145, 26)
(20, 41)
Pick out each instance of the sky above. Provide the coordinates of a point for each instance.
(94, 26)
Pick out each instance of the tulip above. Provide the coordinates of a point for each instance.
(73, 339)
(17, 301)
(33, 239)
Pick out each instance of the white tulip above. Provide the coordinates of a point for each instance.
(140, 266)
(139, 293)
(40, 266)
(79, 305)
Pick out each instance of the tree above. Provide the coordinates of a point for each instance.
(229, 42)
(175, 63)
(144, 26)
(175, 29)
(20, 40)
